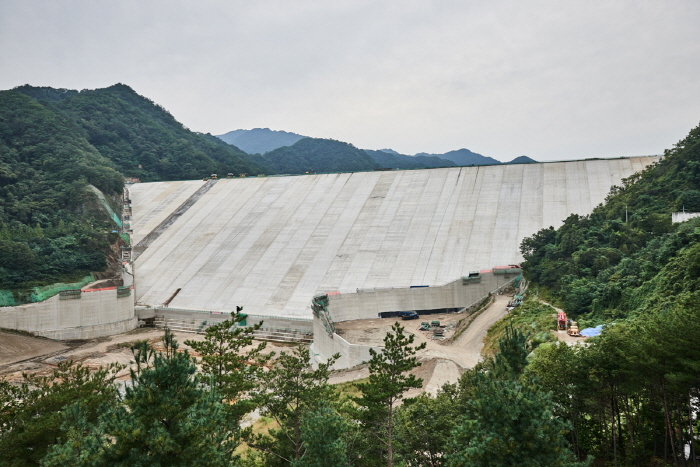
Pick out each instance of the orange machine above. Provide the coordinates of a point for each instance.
(561, 321)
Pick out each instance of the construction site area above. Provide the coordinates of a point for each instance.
(373, 244)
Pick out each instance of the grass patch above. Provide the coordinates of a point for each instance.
(534, 317)
(349, 388)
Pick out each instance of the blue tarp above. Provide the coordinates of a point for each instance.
(591, 332)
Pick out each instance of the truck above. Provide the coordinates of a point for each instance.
(404, 315)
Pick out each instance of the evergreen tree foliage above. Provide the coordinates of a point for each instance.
(510, 423)
(31, 413)
(167, 417)
(322, 434)
(424, 425)
(389, 379)
(509, 420)
(235, 372)
(291, 390)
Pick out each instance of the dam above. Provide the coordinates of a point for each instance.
(270, 244)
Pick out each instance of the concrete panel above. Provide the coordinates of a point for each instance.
(271, 243)
(97, 313)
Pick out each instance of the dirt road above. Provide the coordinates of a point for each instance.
(449, 360)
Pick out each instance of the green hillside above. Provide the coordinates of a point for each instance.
(54, 142)
(394, 160)
(314, 155)
(141, 138)
(50, 225)
(627, 256)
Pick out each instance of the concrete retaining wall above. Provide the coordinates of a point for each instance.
(326, 345)
(368, 304)
(96, 313)
(197, 317)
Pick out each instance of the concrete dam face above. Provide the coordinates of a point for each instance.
(270, 244)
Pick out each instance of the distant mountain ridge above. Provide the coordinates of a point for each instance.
(264, 141)
(260, 140)
(309, 155)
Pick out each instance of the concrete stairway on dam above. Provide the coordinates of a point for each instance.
(198, 326)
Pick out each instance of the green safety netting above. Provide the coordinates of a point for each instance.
(39, 294)
(6, 298)
(126, 238)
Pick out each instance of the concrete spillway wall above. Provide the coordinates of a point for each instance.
(96, 313)
(373, 303)
(271, 243)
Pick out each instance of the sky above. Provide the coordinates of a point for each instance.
(551, 80)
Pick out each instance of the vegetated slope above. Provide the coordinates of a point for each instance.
(394, 160)
(311, 155)
(464, 157)
(51, 227)
(260, 140)
(626, 257)
(141, 138)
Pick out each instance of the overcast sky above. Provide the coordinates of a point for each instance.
(552, 80)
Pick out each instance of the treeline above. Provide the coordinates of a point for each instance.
(312, 155)
(631, 394)
(140, 138)
(626, 255)
(173, 414)
(51, 225)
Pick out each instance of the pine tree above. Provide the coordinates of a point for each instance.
(388, 381)
(167, 417)
(291, 390)
(235, 372)
(322, 434)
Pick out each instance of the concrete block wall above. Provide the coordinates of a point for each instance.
(213, 317)
(97, 313)
(326, 345)
(368, 304)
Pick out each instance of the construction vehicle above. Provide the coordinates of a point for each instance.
(214, 177)
(573, 329)
(404, 315)
(561, 321)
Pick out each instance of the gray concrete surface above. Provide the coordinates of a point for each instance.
(270, 244)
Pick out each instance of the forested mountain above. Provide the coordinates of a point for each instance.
(626, 257)
(464, 157)
(50, 225)
(394, 160)
(630, 393)
(54, 142)
(260, 140)
(263, 140)
(311, 155)
(141, 138)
